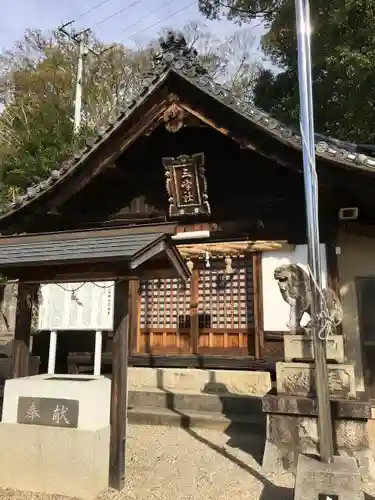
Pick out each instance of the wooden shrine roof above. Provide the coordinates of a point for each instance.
(175, 58)
(109, 252)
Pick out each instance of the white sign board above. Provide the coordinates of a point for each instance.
(275, 309)
(76, 306)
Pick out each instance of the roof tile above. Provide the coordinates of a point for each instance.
(176, 56)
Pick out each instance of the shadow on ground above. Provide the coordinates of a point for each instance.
(251, 442)
(270, 490)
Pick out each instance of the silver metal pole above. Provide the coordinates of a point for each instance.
(312, 215)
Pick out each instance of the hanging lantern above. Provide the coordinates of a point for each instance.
(207, 259)
(228, 265)
(190, 265)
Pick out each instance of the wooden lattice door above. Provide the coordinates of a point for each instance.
(225, 309)
(165, 316)
(212, 314)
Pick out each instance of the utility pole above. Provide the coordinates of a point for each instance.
(312, 214)
(79, 39)
(78, 93)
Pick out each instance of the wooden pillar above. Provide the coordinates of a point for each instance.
(194, 319)
(22, 331)
(333, 280)
(120, 350)
(332, 267)
(258, 305)
(134, 314)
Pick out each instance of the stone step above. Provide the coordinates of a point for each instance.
(244, 383)
(224, 404)
(251, 424)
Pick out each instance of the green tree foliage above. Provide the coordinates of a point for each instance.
(37, 80)
(36, 91)
(239, 10)
(343, 62)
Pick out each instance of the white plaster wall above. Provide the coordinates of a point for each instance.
(275, 309)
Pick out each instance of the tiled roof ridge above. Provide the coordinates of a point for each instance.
(175, 55)
(326, 147)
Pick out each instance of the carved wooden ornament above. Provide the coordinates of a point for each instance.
(186, 185)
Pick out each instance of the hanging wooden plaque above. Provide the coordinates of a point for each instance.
(186, 185)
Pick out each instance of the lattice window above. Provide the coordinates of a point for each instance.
(165, 304)
(226, 302)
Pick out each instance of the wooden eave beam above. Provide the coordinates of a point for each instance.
(244, 141)
(198, 250)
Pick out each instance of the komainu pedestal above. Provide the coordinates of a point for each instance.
(292, 424)
(292, 429)
(292, 416)
(299, 379)
(301, 348)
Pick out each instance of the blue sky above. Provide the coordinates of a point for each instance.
(139, 20)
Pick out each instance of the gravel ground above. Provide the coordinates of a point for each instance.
(171, 463)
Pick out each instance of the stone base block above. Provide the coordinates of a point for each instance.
(214, 381)
(299, 379)
(301, 348)
(54, 460)
(316, 480)
(93, 394)
(290, 435)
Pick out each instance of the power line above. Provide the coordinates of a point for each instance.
(160, 21)
(96, 6)
(116, 13)
(148, 15)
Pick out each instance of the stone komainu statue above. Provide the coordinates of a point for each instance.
(295, 288)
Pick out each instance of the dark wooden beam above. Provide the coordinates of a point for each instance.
(120, 351)
(165, 228)
(227, 361)
(89, 271)
(21, 344)
(134, 310)
(258, 305)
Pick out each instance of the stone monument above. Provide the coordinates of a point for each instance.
(292, 408)
(54, 435)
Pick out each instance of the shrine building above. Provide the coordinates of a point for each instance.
(224, 180)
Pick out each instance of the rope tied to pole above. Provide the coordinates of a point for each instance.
(326, 319)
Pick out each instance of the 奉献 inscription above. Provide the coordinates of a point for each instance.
(48, 411)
